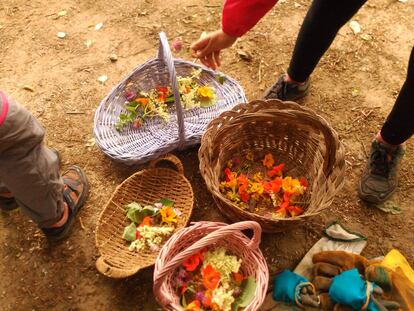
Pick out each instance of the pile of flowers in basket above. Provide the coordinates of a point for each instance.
(263, 188)
(211, 280)
(156, 103)
(150, 225)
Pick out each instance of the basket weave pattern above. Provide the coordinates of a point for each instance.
(157, 137)
(200, 235)
(295, 135)
(146, 187)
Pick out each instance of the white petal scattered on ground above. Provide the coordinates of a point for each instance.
(61, 34)
(103, 79)
(98, 26)
(366, 37)
(62, 13)
(88, 43)
(403, 1)
(1, 26)
(356, 28)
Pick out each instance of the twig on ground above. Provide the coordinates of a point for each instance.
(81, 223)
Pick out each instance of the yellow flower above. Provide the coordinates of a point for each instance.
(168, 215)
(229, 163)
(292, 186)
(205, 92)
(268, 160)
(249, 156)
(258, 177)
(257, 187)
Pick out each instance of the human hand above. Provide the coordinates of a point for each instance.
(208, 47)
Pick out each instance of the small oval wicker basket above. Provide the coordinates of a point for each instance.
(157, 137)
(200, 235)
(146, 187)
(295, 135)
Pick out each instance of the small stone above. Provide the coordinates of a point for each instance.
(356, 28)
(366, 37)
(244, 55)
(62, 13)
(61, 35)
(103, 79)
(113, 57)
(88, 43)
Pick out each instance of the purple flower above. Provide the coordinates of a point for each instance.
(130, 95)
(200, 296)
(237, 292)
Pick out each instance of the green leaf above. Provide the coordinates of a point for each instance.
(136, 213)
(130, 108)
(166, 202)
(248, 290)
(220, 79)
(183, 301)
(130, 233)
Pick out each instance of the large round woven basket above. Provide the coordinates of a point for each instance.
(146, 187)
(295, 135)
(157, 137)
(200, 235)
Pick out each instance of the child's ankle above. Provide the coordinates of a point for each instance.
(381, 140)
(290, 80)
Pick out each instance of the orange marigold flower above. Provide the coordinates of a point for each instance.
(211, 277)
(276, 170)
(281, 212)
(258, 177)
(268, 160)
(194, 306)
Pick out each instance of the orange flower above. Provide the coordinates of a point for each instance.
(242, 183)
(211, 277)
(142, 100)
(294, 210)
(147, 221)
(229, 174)
(238, 277)
(258, 177)
(276, 170)
(191, 263)
(268, 160)
(292, 186)
(304, 182)
(273, 186)
(281, 212)
(244, 196)
(208, 298)
(194, 306)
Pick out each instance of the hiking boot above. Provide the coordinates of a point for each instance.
(284, 90)
(75, 193)
(7, 201)
(379, 179)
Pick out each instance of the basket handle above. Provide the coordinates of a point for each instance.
(170, 158)
(164, 53)
(107, 269)
(207, 240)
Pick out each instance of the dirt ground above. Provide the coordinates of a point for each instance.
(354, 87)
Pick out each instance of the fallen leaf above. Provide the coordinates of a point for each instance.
(88, 43)
(103, 79)
(356, 28)
(389, 207)
(91, 142)
(244, 55)
(61, 35)
(98, 26)
(366, 37)
(28, 88)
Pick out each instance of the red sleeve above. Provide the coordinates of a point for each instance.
(239, 16)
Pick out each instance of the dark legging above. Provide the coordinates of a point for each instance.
(321, 24)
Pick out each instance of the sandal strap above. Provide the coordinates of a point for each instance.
(69, 191)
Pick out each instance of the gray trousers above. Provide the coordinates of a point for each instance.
(28, 169)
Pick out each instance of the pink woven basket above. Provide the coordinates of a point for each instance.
(200, 235)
